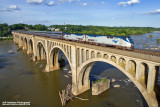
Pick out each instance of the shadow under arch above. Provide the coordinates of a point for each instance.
(53, 55)
(30, 46)
(84, 82)
(21, 41)
(41, 51)
(25, 43)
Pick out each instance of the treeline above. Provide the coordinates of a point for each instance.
(102, 30)
(5, 30)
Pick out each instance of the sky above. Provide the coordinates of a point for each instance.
(138, 13)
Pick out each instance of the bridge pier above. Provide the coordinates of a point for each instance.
(151, 78)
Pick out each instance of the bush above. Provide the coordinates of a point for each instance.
(150, 36)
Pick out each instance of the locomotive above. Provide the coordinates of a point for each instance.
(124, 42)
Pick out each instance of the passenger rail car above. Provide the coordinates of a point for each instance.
(118, 41)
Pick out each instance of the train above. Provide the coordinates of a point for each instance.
(122, 42)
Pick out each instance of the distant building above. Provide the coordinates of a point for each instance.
(56, 29)
(25, 27)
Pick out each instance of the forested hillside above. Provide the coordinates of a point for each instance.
(5, 30)
(102, 30)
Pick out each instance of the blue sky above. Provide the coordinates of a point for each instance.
(82, 12)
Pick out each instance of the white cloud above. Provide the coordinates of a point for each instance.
(153, 12)
(131, 2)
(83, 4)
(103, 2)
(11, 8)
(35, 1)
(51, 3)
(123, 4)
(63, 1)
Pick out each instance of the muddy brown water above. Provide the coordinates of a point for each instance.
(24, 80)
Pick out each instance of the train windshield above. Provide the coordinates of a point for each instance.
(130, 39)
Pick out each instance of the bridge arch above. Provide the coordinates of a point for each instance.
(53, 58)
(84, 82)
(21, 41)
(30, 46)
(25, 43)
(144, 73)
(132, 68)
(41, 51)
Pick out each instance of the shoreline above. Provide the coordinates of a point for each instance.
(6, 38)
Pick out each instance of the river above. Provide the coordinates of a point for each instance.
(24, 80)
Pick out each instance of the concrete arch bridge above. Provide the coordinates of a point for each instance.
(141, 68)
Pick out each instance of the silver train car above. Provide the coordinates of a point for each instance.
(124, 42)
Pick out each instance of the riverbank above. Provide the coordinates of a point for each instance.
(6, 38)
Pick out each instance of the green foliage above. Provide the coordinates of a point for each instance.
(17, 26)
(145, 45)
(4, 30)
(158, 40)
(40, 27)
(103, 30)
(150, 36)
(100, 80)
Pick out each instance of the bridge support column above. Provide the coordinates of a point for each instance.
(56, 63)
(34, 50)
(151, 85)
(138, 71)
(74, 70)
(127, 65)
(117, 60)
(21, 44)
(80, 56)
(42, 54)
(151, 78)
(47, 69)
(28, 50)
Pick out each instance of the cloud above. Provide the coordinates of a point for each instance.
(51, 3)
(12, 8)
(83, 4)
(153, 12)
(103, 2)
(131, 2)
(64, 1)
(123, 4)
(35, 1)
